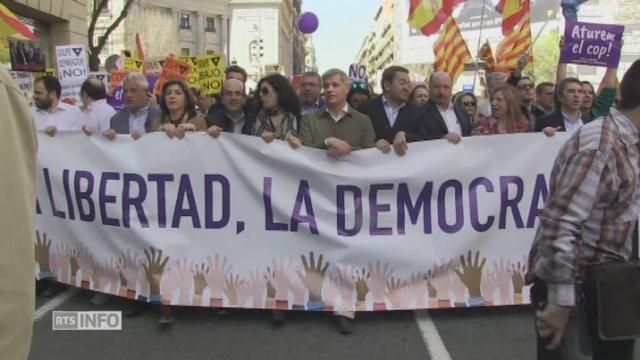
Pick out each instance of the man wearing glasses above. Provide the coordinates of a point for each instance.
(527, 94)
(232, 117)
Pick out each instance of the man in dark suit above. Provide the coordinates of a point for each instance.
(232, 116)
(568, 116)
(136, 118)
(443, 119)
(395, 120)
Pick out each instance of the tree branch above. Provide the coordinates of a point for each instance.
(97, 9)
(123, 14)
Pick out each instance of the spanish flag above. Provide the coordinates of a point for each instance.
(486, 55)
(451, 50)
(515, 44)
(429, 15)
(513, 11)
(11, 26)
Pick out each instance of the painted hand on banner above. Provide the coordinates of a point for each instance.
(257, 284)
(243, 293)
(183, 273)
(154, 268)
(346, 283)
(313, 276)
(297, 288)
(459, 289)
(396, 293)
(105, 276)
(277, 276)
(489, 286)
(503, 279)
(517, 278)
(471, 274)
(199, 280)
(362, 289)
(85, 259)
(42, 252)
(217, 275)
(418, 286)
(129, 265)
(330, 292)
(169, 283)
(377, 281)
(59, 263)
(231, 286)
(143, 283)
(439, 279)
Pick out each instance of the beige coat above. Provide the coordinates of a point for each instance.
(17, 213)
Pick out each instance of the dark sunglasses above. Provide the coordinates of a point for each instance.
(469, 103)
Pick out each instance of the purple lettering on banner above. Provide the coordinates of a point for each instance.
(304, 197)
(225, 215)
(185, 191)
(505, 202)
(117, 100)
(38, 210)
(473, 204)
(67, 193)
(375, 208)
(592, 44)
(540, 192)
(135, 202)
(442, 211)
(47, 181)
(84, 195)
(104, 198)
(341, 190)
(423, 202)
(161, 190)
(269, 223)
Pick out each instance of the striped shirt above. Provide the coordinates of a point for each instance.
(593, 204)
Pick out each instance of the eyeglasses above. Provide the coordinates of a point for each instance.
(469, 103)
(265, 91)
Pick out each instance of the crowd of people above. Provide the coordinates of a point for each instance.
(330, 112)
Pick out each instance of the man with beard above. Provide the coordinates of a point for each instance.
(394, 120)
(50, 114)
(310, 89)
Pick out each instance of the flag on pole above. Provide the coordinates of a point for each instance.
(513, 11)
(515, 44)
(139, 53)
(451, 50)
(486, 55)
(429, 15)
(11, 26)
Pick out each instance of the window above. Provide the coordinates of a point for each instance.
(210, 25)
(185, 51)
(185, 23)
(210, 52)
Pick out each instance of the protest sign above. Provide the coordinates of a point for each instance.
(210, 73)
(193, 80)
(27, 55)
(118, 218)
(172, 69)
(133, 65)
(72, 70)
(592, 44)
(102, 76)
(116, 77)
(24, 80)
(47, 72)
(358, 73)
(153, 67)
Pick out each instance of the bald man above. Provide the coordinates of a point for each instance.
(444, 120)
(232, 117)
(97, 112)
(17, 213)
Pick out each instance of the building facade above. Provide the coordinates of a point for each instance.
(55, 22)
(310, 63)
(265, 36)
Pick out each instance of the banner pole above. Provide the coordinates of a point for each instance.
(475, 74)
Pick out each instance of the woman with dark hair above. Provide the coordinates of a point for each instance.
(507, 117)
(419, 95)
(279, 111)
(468, 102)
(179, 113)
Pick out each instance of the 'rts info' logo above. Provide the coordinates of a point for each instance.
(87, 320)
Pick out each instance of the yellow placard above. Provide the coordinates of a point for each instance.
(192, 80)
(133, 65)
(211, 73)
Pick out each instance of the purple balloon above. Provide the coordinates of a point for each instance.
(308, 22)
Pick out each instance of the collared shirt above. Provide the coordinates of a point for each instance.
(450, 119)
(309, 109)
(137, 120)
(392, 113)
(337, 116)
(98, 116)
(65, 118)
(238, 123)
(570, 124)
(593, 204)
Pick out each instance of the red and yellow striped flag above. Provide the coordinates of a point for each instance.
(513, 11)
(429, 15)
(514, 45)
(451, 50)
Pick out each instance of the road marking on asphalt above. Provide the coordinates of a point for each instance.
(55, 302)
(431, 337)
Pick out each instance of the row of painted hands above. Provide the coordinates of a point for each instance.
(345, 287)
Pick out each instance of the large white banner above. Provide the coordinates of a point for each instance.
(236, 222)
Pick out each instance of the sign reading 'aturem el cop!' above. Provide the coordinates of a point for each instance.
(592, 44)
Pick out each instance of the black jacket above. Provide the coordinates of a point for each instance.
(436, 128)
(410, 120)
(554, 120)
(220, 118)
